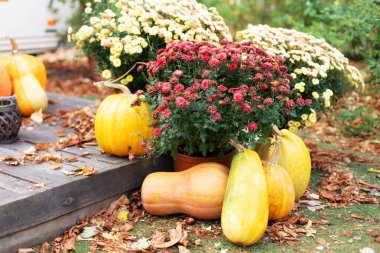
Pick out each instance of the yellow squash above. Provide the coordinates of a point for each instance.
(293, 156)
(245, 207)
(119, 127)
(34, 64)
(29, 93)
(280, 188)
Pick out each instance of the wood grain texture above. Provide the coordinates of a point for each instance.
(72, 194)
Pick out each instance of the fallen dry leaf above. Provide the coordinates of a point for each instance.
(183, 249)
(85, 171)
(162, 240)
(26, 250)
(10, 160)
(348, 234)
(71, 159)
(44, 248)
(321, 241)
(372, 170)
(361, 217)
(41, 185)
(373, 233)
(56, 166)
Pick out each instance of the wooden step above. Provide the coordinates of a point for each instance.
(30, 215)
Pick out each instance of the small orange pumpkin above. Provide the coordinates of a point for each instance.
(5, 83)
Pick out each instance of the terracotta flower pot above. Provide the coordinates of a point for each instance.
(184, 162)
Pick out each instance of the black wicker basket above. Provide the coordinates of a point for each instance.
(10, 119)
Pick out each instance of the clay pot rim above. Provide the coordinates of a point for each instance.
(205, 157)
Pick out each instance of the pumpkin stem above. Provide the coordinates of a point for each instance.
(118, 86)
(276, 131)
(239, 147)
(273, 159)
(113, 84)
(14, 45)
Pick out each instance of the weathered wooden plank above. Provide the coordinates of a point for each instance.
(37, 173)
(40, 133)
(21, 146)
(73, 195)
(5, 196)
(45, 133)
(97, 155)
(69, 102)
(14, 184)
(47, 231)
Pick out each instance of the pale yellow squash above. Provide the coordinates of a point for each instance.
(245, 207)
(31, 97)
(280, 187)
(293, 156)
(35, 65)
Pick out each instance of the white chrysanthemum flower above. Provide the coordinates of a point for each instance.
(316, 54)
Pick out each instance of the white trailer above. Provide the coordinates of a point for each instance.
(30, 22)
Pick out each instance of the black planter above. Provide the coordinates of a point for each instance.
(10, 119)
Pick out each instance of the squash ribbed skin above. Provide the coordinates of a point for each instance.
(31, 97)
(245, 207)
(280, 191)
(120, 128)
(35, 65)
(198, 191)
(294, 157)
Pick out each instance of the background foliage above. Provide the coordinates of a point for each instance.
(350, 25)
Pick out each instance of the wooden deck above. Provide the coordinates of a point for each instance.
(31, 215)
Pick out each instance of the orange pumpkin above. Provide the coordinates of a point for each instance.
(280, 187)
(198, 191)
(36, 66)
(5, 83)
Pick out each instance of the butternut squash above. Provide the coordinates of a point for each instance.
(197, 192)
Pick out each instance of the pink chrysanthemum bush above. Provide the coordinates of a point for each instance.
(203, 95)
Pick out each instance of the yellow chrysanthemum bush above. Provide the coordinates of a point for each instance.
(319, 72)
(119, 33)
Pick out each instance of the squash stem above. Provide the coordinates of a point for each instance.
(276, 130)
(118, 86)
(274, 158)
(239, 147)
(113, 84)
(13, 44)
